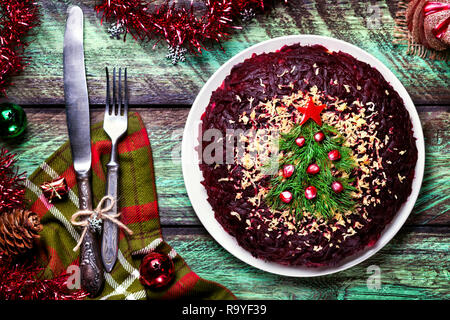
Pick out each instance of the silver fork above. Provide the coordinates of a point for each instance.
(115, 125)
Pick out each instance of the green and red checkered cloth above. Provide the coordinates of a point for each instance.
(139, 207)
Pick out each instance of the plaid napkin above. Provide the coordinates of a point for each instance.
(139, 207)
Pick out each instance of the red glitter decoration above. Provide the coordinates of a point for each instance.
(312, 111)
(12, 191)
(179, 26)
(17, 18)
(288, 170)
(334, 155)
(24, 282)
(156, 270)
(286, 196)
(313, 169)
(300, 141)
(310, 192)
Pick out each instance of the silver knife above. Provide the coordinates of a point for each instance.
(77, 112)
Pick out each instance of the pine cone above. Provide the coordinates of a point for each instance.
(18, 230)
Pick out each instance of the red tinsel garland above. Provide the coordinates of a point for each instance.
(17, 18)
(12, 191)
(24, 282)
(179, 25)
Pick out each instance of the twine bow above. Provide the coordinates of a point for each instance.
(54, 192)
(98, 213)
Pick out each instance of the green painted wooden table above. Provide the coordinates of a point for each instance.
(414, 265)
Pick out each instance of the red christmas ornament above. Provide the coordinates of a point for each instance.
(288, 170)
(313, 169)
(17, 18)
(156, 270)
(286, 196)
(334, 155)
(179, 26)
(300, 141)
(312, 111)
(337, 187)
(319, 136)
(310, 192)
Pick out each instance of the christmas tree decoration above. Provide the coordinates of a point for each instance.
(314, 170)
(300, 141)
(18, 231)
(55, 190)
(286, 196)
(288, 170)
(17, 18)
(116, 30)
(248, 15)
(178, 25)
(337, 187)
(13, 120)
(95, 224)
(176, 54)
(24, 281)
(156, 270)
(310, 192)
(319, 136)
(334, 155)
(12, 191)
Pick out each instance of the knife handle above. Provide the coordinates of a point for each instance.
(92, 278)
(110, 239)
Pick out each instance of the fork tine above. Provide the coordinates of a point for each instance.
(108, 89)
(125, 103)
(113, 111)
(119, 103)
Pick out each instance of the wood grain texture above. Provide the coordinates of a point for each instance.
(414, 265)
(47, 131)
(368, 25)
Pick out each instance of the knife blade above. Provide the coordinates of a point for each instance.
(78, 123)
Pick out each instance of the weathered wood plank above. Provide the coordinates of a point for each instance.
(368, 25)
(414, 265)
(47, 131)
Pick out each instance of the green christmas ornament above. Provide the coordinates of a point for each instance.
(13, 120)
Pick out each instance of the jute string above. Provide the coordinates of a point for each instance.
(99, 213)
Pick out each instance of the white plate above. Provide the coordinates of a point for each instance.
(193, 176)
